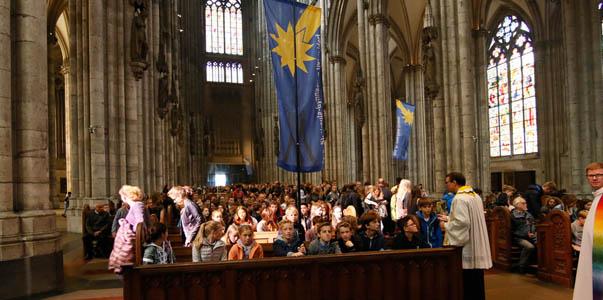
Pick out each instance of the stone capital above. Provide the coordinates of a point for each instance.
(479, 32)
(413, 67)
(64, 69)
(378, 19)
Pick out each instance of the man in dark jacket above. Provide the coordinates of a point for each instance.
(523, 230)
(98, 228)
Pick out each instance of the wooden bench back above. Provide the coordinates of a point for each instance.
(500, 237)
(141, 237)
(400, 274)
(266, 237)
(555, 259)
(85, 211)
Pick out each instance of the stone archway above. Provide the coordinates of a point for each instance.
(58, 103)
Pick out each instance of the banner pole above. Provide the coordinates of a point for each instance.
(297, 143)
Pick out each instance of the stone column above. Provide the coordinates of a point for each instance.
(379, 103)
(33, 237)
(483, 129)
(6, 153)
(337, 120)
(418, 161)
(69, 130)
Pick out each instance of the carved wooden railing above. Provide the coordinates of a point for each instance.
(555, 260)
(400, 274)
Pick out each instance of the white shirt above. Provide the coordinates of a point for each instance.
(583, 289)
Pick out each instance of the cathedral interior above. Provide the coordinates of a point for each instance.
(153, 93)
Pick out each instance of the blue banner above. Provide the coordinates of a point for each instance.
(405, 115)
(294, 41)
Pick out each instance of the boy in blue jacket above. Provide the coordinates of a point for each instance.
(431, 231)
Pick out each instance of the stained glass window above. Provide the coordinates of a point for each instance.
(230, 72)
(223, 27)
(511, 93)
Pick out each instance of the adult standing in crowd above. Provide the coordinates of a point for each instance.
(466, 227)
(589, 276)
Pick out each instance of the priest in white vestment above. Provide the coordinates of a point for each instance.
(466, 227)
(583, 289)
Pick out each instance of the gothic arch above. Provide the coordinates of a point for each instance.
(58, 98)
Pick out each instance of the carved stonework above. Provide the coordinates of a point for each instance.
(430, 35)
(139, 47)
(378, 19)
(163, 86)
(207, 137)
(259, 142)
(357, 101)
(176, 121)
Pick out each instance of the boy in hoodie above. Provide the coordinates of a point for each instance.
(431, 232)
(323, 244)
(288, 242)
(371, 236)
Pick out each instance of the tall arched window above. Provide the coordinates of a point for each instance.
(223, 27)
(511, 93)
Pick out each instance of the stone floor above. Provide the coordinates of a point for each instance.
(92, 280)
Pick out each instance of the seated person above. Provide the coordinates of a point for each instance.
(267, 223)
(159, 251)
(312, 233)
(523, 231)
(323, 244)
(577, 227)
(207, 245)
(98, 228)
(409, 237)
(288, 242)
(371, 236)
(551, 203)
(292, 214)
(348, 240)
(431, 232)
(246, 247)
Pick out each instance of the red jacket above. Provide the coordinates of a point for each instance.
(236, 252)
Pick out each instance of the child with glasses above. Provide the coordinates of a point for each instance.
(409, 238)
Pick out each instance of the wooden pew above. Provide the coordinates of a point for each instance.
(555, 260)
(141, 237)
(85, 212)
(504, 253)
(400, 274)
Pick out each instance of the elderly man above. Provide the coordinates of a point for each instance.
(589, 278)
(466, 227)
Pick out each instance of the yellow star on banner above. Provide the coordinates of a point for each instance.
(306, 27)
(409, 116)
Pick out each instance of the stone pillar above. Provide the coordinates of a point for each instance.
(98, 99)
(31, 260)
(483, 129)
(69, 130)
(466, 85)
(337, 120)
(6, 153)
(418, 160)
(379, 103)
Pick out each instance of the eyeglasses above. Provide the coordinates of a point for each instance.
(411, 225)
(593, 176)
